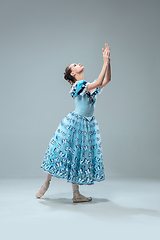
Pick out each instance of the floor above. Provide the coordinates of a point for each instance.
(122, 208)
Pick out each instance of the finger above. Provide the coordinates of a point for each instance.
(106, 45)
(103, 50)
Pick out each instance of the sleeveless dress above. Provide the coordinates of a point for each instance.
(75, 150)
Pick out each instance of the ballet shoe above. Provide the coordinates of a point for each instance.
(43, 189)
(81, 198)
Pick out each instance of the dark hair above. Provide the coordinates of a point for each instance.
(68, 76)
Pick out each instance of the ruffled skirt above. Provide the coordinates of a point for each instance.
(75, 151)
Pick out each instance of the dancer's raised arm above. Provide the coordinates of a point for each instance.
(98, 83)
(107, 79)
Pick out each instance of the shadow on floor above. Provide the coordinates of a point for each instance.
(97, 207)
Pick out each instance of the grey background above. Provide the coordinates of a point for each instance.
(39, 39)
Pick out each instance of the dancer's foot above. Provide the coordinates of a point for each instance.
(81, 198)
(43, 189)
(77, 197)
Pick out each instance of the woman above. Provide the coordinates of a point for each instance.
(75, 151)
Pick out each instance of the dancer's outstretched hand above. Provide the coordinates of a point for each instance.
(107, 49)
(106, 53)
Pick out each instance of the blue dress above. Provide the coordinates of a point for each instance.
(75, 150)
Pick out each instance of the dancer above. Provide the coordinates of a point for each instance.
(75, 150)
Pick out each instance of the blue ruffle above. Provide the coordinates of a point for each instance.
(79, 88)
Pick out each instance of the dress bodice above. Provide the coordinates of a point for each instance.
(84, 100)
(85, 105)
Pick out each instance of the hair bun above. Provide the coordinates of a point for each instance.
(68, 76)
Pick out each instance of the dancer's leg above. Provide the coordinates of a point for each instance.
(44, 187)
(77, 197)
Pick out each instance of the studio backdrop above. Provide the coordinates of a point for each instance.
(39, 38)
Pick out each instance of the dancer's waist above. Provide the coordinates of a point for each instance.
(85, 112)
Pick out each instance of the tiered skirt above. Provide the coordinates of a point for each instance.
(75, 151)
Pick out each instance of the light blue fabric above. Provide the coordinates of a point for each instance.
(84, 101)
(75, 150)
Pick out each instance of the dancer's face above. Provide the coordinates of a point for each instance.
(76, 68)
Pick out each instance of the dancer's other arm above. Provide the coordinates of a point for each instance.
(98, 83)
(107, 79)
